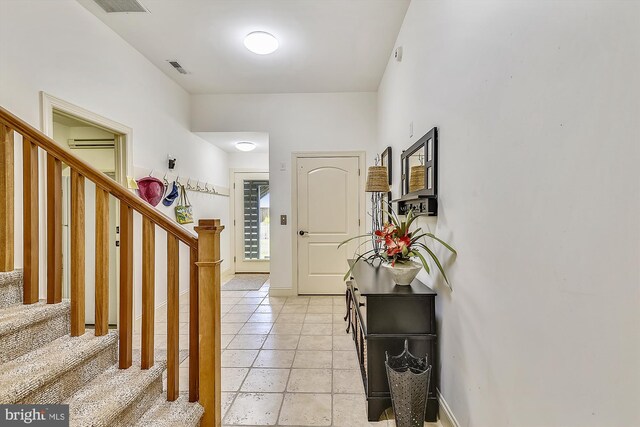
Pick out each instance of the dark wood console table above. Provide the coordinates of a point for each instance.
(381, 315)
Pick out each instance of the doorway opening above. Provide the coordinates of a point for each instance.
(248, 238)
(96, 146)
(251, 222)
(101, 143)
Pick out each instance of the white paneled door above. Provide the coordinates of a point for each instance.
(328, 213)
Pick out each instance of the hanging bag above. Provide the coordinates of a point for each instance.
(184, 212)
(172, 195)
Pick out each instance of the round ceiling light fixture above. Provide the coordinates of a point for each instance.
(261, 42)
(245, 146)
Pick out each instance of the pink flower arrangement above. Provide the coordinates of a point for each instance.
(393, 242)
(400, 245)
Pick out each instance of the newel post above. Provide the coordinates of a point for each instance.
(209, 319)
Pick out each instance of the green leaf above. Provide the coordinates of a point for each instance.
(436, 260)
(415, 239)
(392, 216)
(353, 238)
(445, 244)
(410, 218)
(355, 263)
(424, 262)
(416, 231)
(366, 242)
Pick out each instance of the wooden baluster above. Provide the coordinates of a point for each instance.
(54, 230)
(209, 319)
(173, 317)
(6, 198)
(148, 291)
(126, 287)
(77, 254)
(102, 262)
(30, 216)
(194, 340)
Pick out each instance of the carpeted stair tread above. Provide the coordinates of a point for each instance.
(40, 368)
(17, 317)
(113, 393)
(9, 277)
(10, 288)
(180, 412)
(24, 328)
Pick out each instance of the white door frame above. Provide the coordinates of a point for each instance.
(123, 145)
(362, 215)
(232, 204)
(123, 153)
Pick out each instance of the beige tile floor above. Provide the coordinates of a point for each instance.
(286, 361)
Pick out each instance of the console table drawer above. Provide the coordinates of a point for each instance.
(388, 315)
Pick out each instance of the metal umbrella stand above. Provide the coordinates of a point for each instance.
(409, 383)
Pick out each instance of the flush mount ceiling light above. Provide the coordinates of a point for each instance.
(261, 42)
(245, 146)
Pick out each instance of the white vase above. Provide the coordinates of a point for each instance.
(403, 273)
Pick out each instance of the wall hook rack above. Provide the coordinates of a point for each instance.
(191, 184)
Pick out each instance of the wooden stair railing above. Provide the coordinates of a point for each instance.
(204, 261)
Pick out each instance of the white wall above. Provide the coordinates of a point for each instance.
(295, 122)
(249, 161)
(538, 110)
(61, 48)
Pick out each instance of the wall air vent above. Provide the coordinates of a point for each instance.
(91, 143)
(121, 6)
(178, 67)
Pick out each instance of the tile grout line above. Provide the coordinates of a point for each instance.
(295, 351)
(235, 394)
(244, 379)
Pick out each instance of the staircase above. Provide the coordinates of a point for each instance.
(47, 355)
(80, 371)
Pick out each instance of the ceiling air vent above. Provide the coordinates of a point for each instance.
(121, 6)
(177, 66)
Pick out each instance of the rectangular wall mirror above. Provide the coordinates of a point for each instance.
(419, 167)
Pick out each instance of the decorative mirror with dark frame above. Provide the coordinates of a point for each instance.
(419, 176)
(385, 160)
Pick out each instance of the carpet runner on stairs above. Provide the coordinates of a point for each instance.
(41, 363)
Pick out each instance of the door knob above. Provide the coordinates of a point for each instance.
(302, 233)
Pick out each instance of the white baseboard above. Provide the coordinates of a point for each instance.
(281, 292)
(447, 419)
(227, 272)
